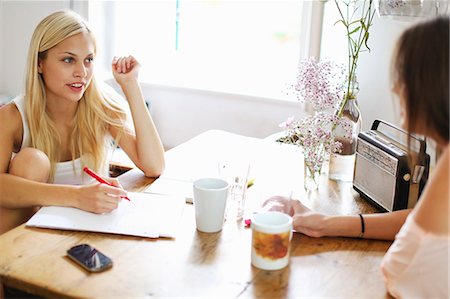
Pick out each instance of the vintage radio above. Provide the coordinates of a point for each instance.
(382, 168)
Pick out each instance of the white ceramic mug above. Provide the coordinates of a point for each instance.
(210, 198)
(271, 239)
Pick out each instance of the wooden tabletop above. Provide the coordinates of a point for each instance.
(196, 264)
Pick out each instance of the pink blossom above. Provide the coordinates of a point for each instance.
(320, 83)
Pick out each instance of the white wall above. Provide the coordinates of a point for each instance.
(183, 113)
(375, 98)
(19, 18)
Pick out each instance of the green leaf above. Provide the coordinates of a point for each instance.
(364, 26)
(366, 39)
(340, 21)
(354, 30)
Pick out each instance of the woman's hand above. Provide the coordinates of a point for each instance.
(304, 220)
(279, 204)
(125, 69)
(307, 221)
(100, 198)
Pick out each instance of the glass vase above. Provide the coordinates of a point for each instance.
(314, 160)
(342, 164)
(311, 179)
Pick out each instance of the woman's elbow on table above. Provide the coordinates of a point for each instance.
(154, 171)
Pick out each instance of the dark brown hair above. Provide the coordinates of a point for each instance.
(421, 68)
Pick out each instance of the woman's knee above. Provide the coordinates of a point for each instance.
(32, 164)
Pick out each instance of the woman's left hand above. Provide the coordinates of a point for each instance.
(125, 69)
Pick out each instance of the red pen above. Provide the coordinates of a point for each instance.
(99, 179)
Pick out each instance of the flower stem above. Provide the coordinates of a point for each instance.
(354, 46)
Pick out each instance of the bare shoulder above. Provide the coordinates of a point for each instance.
(432, 211)
(11, 124)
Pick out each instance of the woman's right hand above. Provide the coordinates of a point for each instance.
(305, 220)
(100, 198)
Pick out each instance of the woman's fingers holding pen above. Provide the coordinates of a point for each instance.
(114, 182)
(100, 198)
(114, 191)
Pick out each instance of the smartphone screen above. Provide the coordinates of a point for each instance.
(89, 258)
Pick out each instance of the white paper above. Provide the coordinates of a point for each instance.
(179, 188)
(146, 215)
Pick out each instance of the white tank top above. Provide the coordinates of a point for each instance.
(416, 264)
(69, 172)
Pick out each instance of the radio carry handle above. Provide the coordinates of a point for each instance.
(422, 142)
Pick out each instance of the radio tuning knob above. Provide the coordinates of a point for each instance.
(407, 177)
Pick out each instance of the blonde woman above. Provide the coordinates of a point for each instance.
(64, 121)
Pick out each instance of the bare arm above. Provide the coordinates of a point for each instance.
(17, 192)
(382, 226)
(144, 148)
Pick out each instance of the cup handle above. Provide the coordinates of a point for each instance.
(291, 234)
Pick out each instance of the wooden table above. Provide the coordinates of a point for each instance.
(196, 264)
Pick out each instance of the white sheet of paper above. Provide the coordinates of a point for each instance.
(179, 188)
(146, 215)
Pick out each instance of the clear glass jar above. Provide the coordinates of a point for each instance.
(342, 164)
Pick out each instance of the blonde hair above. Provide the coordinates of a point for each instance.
(95, 112)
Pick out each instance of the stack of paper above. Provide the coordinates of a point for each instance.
(146, 215)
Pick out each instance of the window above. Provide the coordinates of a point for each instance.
(243, 47)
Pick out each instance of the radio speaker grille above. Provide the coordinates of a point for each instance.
(375, 182)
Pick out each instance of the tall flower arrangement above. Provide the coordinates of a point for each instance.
(356, 17)
(319, 83)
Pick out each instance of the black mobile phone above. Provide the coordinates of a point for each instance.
(89, 258)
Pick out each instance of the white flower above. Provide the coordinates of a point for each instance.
(320, 83)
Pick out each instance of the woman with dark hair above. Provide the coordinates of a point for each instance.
(416, 265)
